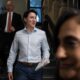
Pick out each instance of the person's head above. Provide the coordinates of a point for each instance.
(67, 39)
(10, 5)
(30, 18)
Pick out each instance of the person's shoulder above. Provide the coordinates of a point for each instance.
(16, 13)
(39, 30)
(19, 32)
(1, 14)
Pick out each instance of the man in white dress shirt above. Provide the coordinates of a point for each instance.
(28, 42)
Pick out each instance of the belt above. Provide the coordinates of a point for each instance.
(28, 64)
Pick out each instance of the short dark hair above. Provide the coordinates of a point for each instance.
(26, 13)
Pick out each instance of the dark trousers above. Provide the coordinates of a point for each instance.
(24, 72)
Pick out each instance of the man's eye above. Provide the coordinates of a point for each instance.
(69, 44)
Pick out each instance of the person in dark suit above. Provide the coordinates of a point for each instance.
(6, 36)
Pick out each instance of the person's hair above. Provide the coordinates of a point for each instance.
(66, 15)
(26, 13)
(9, 2)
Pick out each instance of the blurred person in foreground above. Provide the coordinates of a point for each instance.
(67, 45)
(29, 42)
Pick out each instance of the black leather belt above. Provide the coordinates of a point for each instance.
(28, 64)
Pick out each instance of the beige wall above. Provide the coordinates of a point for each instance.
(20, 5)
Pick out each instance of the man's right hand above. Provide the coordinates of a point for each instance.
(12, 29)
(10, 75)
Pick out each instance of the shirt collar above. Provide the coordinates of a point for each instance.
(35, 29)
(10, 12)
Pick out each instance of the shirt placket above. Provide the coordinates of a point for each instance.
(28, 48)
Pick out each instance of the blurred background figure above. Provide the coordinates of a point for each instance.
(10, 22)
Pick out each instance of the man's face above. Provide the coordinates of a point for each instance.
(68, 51)
(10, 6)
(31, 20)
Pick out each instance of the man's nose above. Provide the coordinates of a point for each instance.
(61, 53)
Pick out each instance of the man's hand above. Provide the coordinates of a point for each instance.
(10, 75)
(12, 29)
(43, 63)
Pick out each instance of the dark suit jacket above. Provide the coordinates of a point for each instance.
(16, 21)
(7, 38)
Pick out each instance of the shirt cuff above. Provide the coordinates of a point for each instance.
(10, 69)
(46, 55)
(46, 60)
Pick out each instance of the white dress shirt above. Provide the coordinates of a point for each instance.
(6, 27)
(29, 45)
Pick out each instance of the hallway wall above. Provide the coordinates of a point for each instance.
(20, 6)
